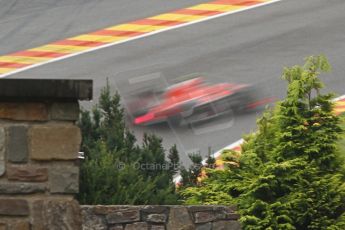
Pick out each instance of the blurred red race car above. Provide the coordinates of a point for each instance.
(193, 101)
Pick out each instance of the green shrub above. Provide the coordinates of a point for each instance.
(291, 171)
(116, 170)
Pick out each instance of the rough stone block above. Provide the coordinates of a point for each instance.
(56, 214)
(221, 215)
(227, 209)
(200, 208)
(21, 188)
(91, 221)
(221, 212)
(2, 142)
(2, 167)
(59, 141)
(233, 216)
(203, 217)
(156, 218)
(17, 144)
(20, 225)
(155, 209)
(207, 226)
(157, 227)
(226, 225)
(137, 226)
(116, 227)
(2, 150)
(106, 209)
(179, 218)
(124, 216)
(27, 173)
(68, 111)
(64, 179)
(14, 207)
(23, 111)
(155, 213)
(3, 226)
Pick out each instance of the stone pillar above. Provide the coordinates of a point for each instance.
(39, 145)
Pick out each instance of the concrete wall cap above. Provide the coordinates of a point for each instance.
(13, 90)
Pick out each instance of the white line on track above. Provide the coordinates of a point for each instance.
(339, 98)
(134, 38)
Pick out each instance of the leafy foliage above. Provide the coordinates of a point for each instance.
(116, 170)
(190, 175)
(290, 174)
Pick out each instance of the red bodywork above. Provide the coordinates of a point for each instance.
(174, 100)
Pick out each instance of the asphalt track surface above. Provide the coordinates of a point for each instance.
(248, 47)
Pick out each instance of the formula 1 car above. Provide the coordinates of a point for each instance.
(192, 101)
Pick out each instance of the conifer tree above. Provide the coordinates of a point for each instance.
(210, 161)
(174, 160)
(190, 175)
(290, 174)
(116, 170)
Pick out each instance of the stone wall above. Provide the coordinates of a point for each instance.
(39, 145)
(39, 168)
(161, 217)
